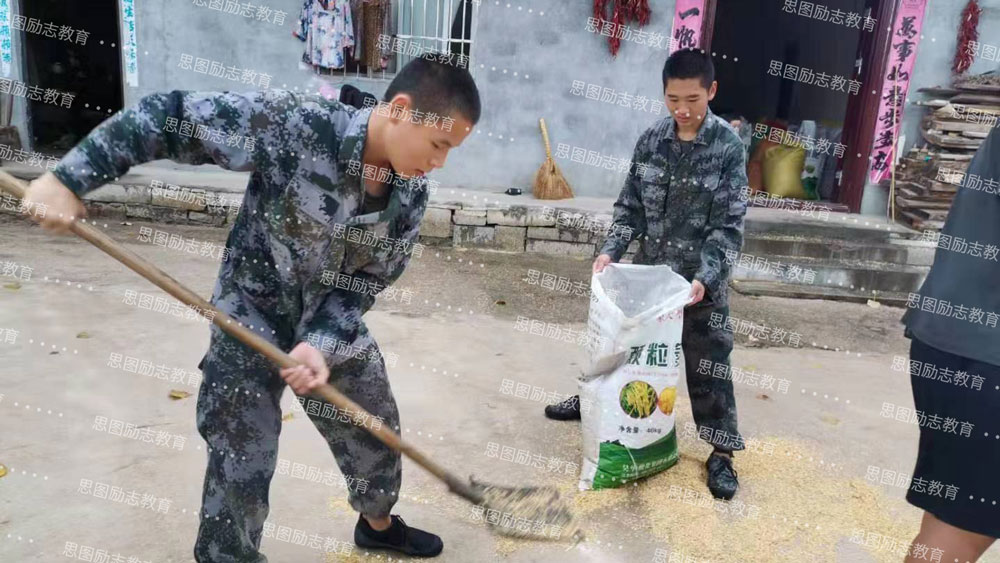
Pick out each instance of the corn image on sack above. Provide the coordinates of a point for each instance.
(630, 383)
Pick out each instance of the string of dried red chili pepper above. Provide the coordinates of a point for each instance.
(622, 12)
(967, 33)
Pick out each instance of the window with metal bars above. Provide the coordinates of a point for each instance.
(390, 33)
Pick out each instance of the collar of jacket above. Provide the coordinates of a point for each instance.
(352, 144)
(352, 148)
(703, 131)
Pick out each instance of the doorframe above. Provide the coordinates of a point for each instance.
(23, 55)
(120, 26)
(17, 9)
(708, 24)
(862, 110)
(858, 132)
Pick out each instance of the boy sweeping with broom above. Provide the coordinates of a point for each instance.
(332, 189)
(686, 212)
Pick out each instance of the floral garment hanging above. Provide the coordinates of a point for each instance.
(327, 29)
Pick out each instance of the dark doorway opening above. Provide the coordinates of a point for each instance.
(84, 62)
(764, 34)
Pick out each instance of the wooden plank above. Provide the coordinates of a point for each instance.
(912, 220)
(931, 214)
(978, 87)
(931, 103)
(932, 185)
(950, 141)
(933, 153)
(911, 185)
(942, 187)
(948, 125)
(913, 189)
(939, 91)
(923, 204)
(954, 158)
(967, 98)
(951, 111)
(921, 194)
(918, 196)
(921, 223)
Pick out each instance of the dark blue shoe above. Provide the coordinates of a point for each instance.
(566, 410)
(397, 537)
(721, 476)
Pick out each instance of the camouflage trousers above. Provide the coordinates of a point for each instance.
(712, 401)
(240, 418)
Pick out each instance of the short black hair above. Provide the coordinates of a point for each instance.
(437, 87)
(689, 63)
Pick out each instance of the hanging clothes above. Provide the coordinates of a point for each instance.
(357, 16)
(376, 22)
(327, 29)
(372, 19)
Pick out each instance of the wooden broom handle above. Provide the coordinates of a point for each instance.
(545, 135)
(139, 265)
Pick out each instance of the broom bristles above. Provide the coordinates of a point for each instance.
(550, 183)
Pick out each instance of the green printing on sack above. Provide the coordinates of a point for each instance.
(617, 465)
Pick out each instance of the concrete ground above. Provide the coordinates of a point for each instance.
(455, 342)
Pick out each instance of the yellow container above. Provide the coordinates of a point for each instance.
(783, 171)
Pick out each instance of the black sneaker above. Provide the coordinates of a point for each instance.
(566, 410)
(721, 476)
(398, 537)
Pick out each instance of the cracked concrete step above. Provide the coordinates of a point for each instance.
(866, 276)
(891, 252)
(837, 226)
(807, 291)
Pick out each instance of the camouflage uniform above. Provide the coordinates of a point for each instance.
(300, 217)
(684, 205)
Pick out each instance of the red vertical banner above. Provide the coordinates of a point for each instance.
(688, 15)
(895, 84)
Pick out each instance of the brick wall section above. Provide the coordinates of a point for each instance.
(516, 229)
(163, 204)
(509, 229)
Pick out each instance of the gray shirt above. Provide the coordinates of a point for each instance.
(958, 305)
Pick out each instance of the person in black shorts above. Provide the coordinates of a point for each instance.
(955, 373)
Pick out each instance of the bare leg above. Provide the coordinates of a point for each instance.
(378, 524)
(958, 544)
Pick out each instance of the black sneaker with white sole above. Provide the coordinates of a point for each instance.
(397, 537)
(566, 410)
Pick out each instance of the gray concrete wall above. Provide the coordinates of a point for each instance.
(167, 29)
(933, 68)
(547, 52)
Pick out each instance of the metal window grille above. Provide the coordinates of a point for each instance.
(415, 27)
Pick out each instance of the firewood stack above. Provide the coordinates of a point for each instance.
(959, 118)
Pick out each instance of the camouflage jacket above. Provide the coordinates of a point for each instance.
(686, 210)
(303, 263)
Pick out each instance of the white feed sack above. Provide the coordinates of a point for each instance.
(635, 363)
